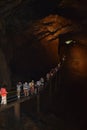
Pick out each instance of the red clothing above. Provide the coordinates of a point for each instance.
(3, 92)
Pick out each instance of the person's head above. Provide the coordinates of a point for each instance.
(26, 83)
(32, 81)
(19, 82)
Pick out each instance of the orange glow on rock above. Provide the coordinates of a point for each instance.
(78, 61)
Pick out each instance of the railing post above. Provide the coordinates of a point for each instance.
(17, 110)
(38, 103)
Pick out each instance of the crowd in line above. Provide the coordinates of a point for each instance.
(29, 88)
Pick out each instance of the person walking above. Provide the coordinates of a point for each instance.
(26, 89)
(42, 82)
(38, 86)
(19, 85)
(32, 86)
(3, 93)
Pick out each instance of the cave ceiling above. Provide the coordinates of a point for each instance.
(17, 15)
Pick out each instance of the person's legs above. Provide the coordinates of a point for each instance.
(18, 93)
(4, 100)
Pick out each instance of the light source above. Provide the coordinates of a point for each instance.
(70, 41)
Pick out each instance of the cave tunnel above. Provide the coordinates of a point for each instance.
(34, 37)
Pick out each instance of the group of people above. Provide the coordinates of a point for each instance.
(29, 88)
(52, 72)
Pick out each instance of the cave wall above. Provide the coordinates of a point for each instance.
(4, 71)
